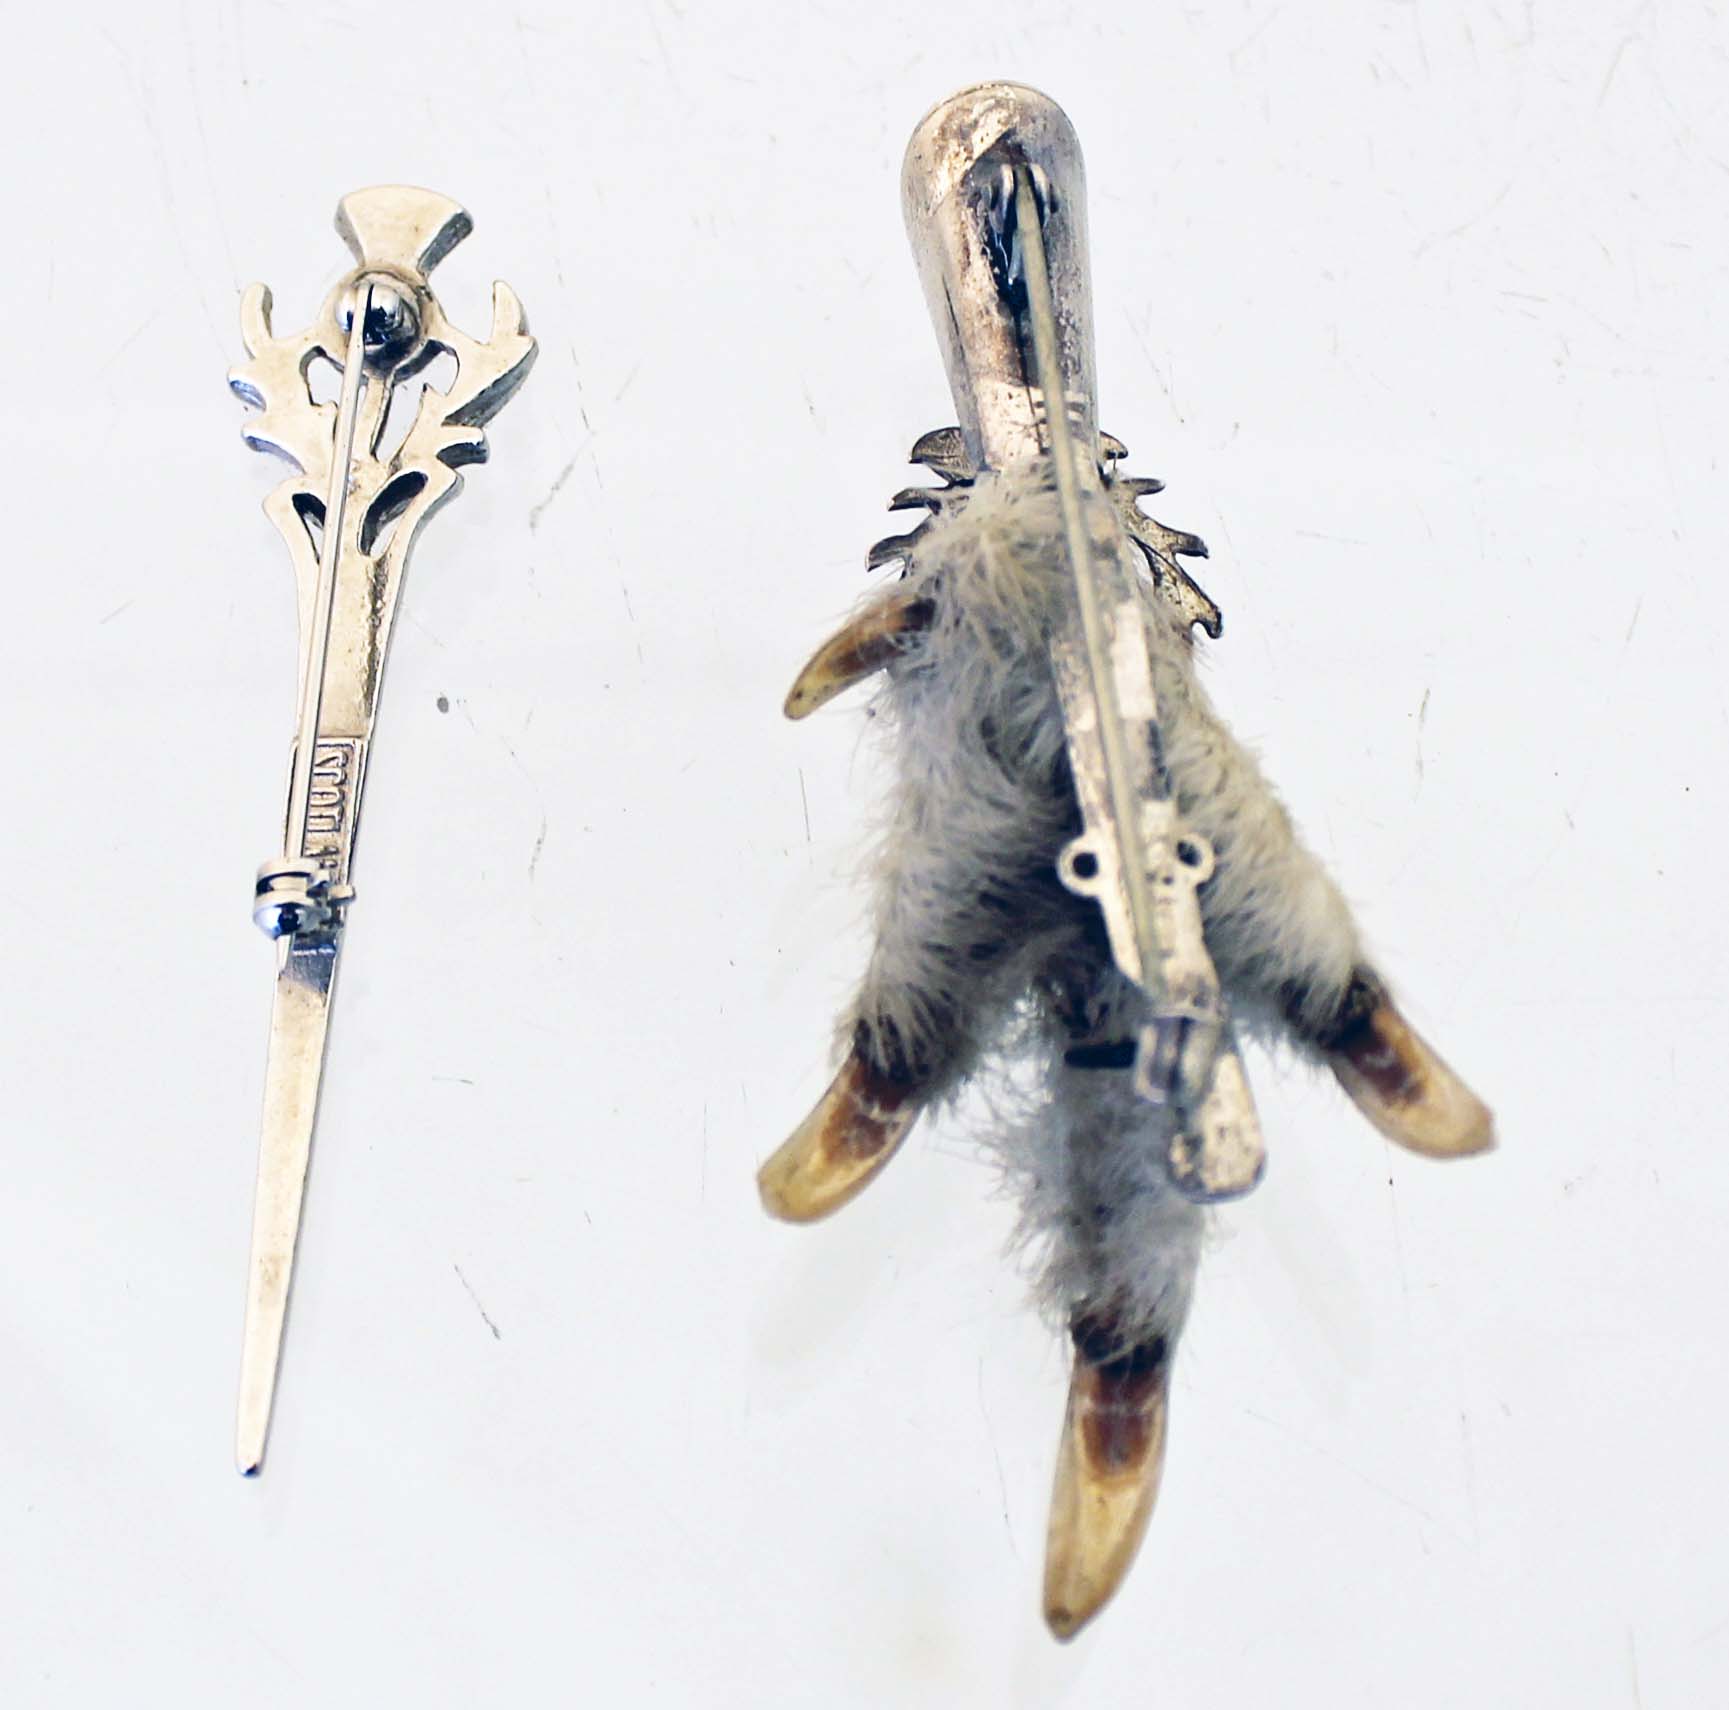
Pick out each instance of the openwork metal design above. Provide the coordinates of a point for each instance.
(943, 451)
(367, 472)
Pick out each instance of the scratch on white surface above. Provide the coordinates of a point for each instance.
(1464, 225)
(804, 799)
(1470, 1478)
(1422, 720)
(1422, 41)
(409, 614)
(197, 106)
(660, 43)
(539, 844)
(165, 181)
(1398, 1235)
(497, 1334)
(1157, 372)
(630, 612)
(581, 401)
(996, 1455)
(1614, 66)
(552, 493)
(547, 201)
(1253, 36)
(1677, 504)
(130, 339)
(1375, 1485)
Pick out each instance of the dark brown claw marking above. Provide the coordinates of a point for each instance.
(1108, 1467)
(857, 1126)
(1398, 1081)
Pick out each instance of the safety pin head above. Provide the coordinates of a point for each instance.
(958, 198)
(297, 897)
(390, 329)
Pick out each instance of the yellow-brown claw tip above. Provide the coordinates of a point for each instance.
(1398, 1081)
(1108, 1466)
(816, 687)
(817, 684)
(857, 1126)
(869, 640)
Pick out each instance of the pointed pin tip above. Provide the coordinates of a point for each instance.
(249, 1448)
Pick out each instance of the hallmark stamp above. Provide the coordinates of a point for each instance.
(330, 804)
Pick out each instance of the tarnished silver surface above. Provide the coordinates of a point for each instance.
(350, 512)
(993, 191)
(957, 195)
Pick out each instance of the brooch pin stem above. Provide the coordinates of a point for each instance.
(349, 512)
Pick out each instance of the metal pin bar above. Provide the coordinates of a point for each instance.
(1122, 786)
(994, 195)
(335, 521)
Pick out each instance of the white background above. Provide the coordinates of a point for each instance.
(1418, 310)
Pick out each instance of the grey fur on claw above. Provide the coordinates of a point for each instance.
(986, 959)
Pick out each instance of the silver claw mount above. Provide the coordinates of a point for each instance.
(994, 193)
(943, 452)
(359, 492)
